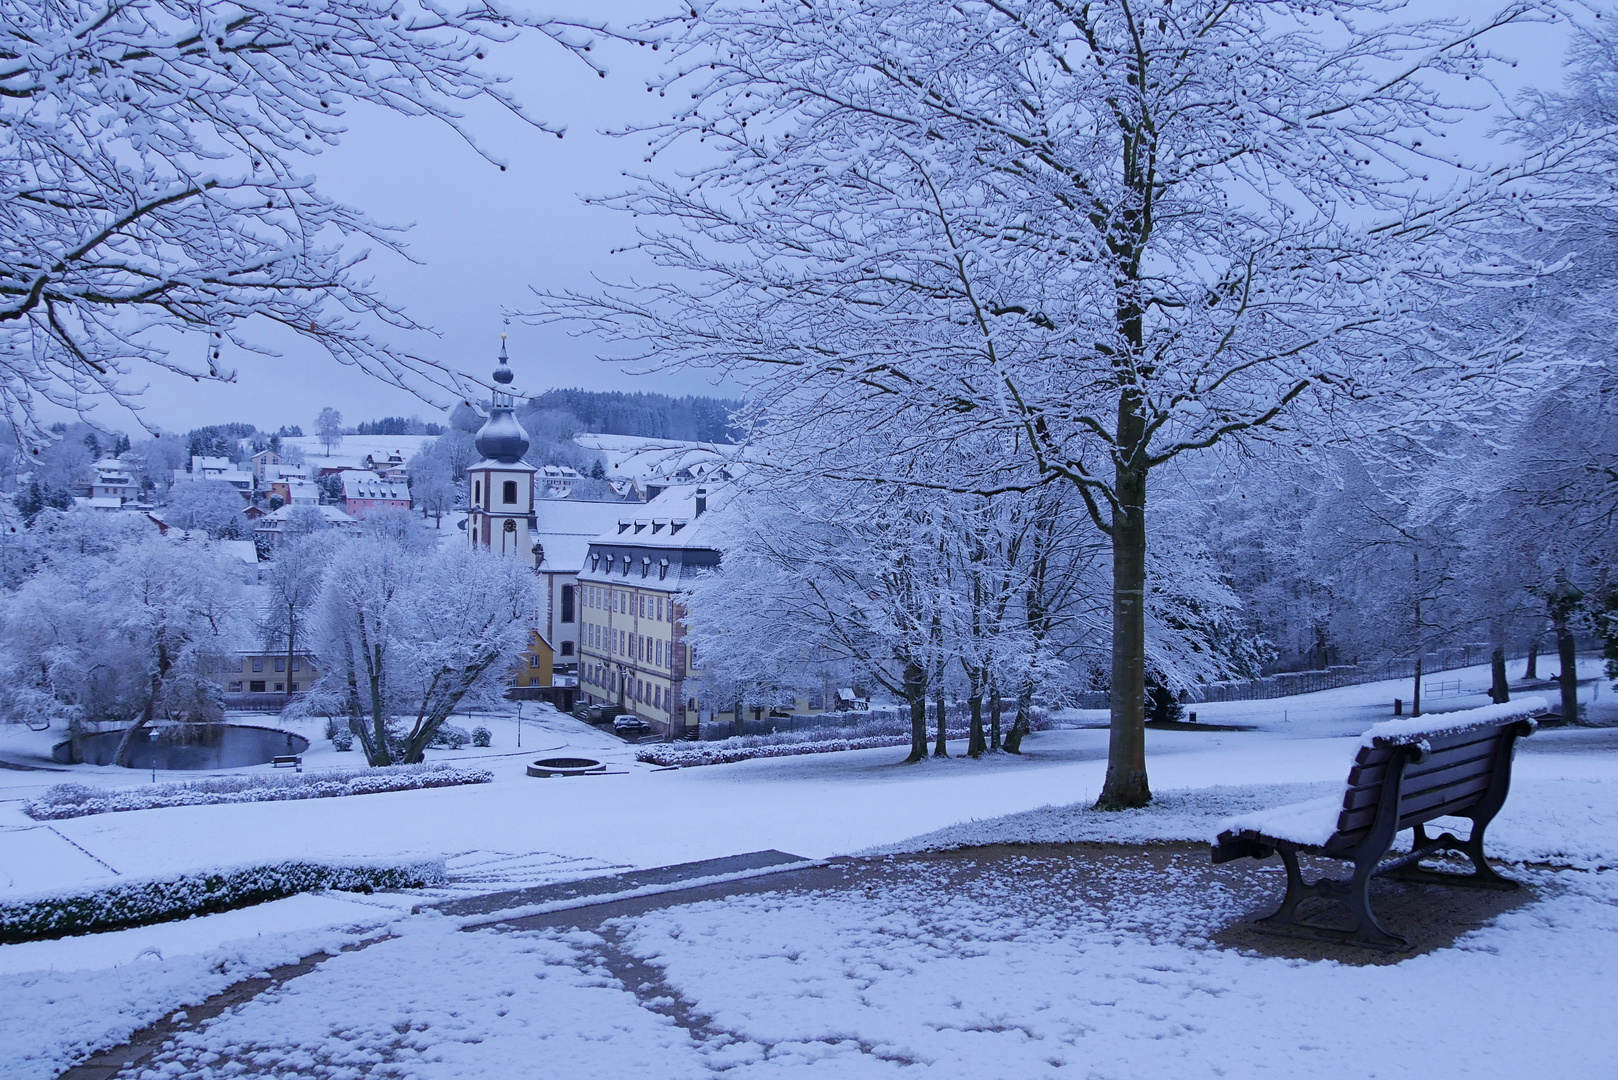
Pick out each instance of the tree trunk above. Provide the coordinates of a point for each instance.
(292, 639)
(976, 744)
(1499, 690)
(994, 716)
(1020, 726)
(121, 755)
(1126, 784)
(1415, 697)
(940, 749)
(1567, 652)
(1531, 668)
(915, 686)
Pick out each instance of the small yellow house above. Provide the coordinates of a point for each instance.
(537, 663)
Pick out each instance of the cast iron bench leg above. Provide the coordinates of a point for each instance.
(1483, 876)
(1353, 894)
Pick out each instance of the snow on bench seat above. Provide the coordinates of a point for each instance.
(1309, 823)
(1312, 823)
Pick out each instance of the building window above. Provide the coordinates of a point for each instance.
(255, 686)
(508, 492)
(567, 603)
(280, 663)
(296, 688)
(258, 664)
(659, 609)
(567, 648)
(236, 687)
(477, 492)
(297, 663)
(533, 661)
(659, 652)
(280, 688)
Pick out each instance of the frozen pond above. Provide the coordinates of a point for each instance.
(196, 746)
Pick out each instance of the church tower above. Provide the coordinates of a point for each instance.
(501, 514)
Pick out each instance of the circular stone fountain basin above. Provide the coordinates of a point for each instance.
(566, 766)
(195, 746)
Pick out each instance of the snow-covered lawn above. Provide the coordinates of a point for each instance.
(1001, 979)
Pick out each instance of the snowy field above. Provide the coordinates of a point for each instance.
(1017, 971)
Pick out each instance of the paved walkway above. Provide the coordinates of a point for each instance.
(1117, 886)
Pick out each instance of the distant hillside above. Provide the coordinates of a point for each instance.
(655, 416)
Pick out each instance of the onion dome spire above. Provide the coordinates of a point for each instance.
(501, 438)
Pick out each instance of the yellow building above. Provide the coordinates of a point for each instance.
(633, 652)
(536, 666)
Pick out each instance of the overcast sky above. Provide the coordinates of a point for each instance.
(483, 237)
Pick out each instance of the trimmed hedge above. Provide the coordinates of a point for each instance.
(155, 900)
(720, 754)
(80, 800)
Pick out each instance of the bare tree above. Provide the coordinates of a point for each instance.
(329, 428)
(1110, 234)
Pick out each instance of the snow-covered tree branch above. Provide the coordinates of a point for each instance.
(155, 200)
(1102, 235)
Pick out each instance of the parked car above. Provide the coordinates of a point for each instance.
(629, 724)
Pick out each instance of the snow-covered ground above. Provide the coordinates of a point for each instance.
(846, 983)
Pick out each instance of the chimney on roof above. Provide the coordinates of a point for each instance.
(702, 502)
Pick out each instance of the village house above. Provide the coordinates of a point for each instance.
(366, 492)
(218, 469)
(248, 674)
(111, 485)
(389, 465)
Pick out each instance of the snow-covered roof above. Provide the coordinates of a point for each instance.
(368, 485)
(565, 529)
(671, 519)
(277, 517)
(243, 550)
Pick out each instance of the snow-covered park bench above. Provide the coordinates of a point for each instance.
(1407, 773)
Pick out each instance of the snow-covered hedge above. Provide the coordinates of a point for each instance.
(79, 800)
(153, 900)
(748, 747)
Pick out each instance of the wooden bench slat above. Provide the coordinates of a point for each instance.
(1433, 803)
(1461, 793)
(1355, 798)
(1372, 774)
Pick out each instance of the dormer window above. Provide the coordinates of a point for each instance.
(658, 526)
(640, 526)
(645, 565)
(662, 569)
(676, 526)
(595, 562)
